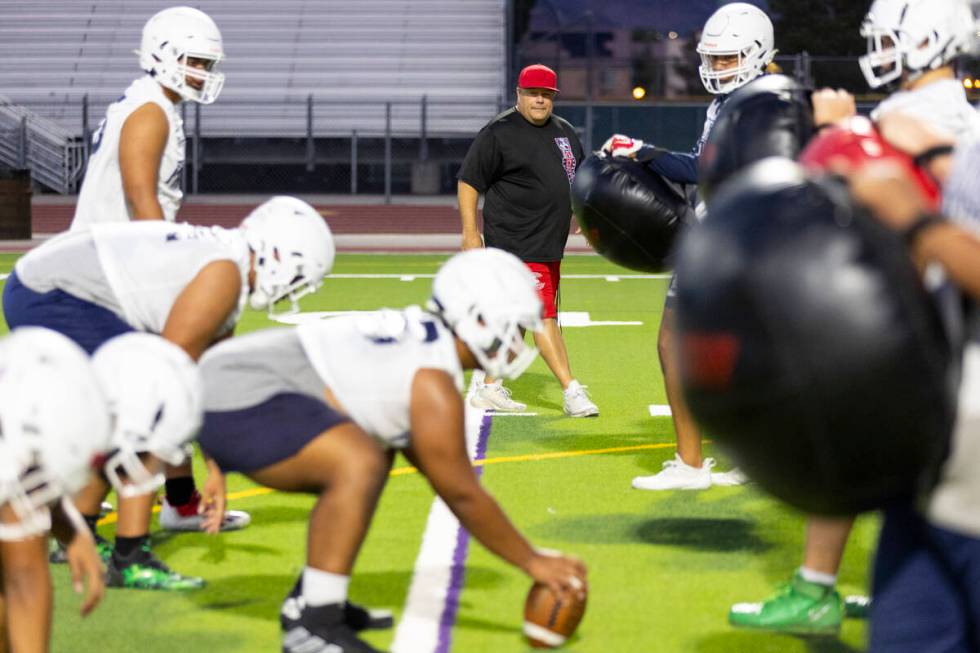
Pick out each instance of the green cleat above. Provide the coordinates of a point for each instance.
(799, 607)
(147, 572)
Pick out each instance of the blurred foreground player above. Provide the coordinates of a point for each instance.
(55, 423)
(188, 284)
(927, 567)
(322, 409)
(912, 47)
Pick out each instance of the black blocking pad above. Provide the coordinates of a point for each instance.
(770, 116)
(809, 349)
(628, 213)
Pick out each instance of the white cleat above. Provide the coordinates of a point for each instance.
(494, 396)
(731, 478)
(186, 518)
(677, 475)
(577, 402)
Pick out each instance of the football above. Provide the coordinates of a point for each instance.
(550, 620)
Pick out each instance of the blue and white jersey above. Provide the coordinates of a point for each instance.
(102, 198)
(134, 269)
(682, 167)
(369, 361)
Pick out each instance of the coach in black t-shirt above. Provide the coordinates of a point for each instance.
(524, 161)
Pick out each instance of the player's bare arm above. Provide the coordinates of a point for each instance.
(438, 450)
(203, 307)
(141, 143)
(84, 563)
(468, 198)
(27, 593)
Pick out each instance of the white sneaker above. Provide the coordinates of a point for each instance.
(677, 475)
(494, 396)
(577, 402)
(731, 478)
(185, 518)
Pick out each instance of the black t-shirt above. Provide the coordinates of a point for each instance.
(525, 172)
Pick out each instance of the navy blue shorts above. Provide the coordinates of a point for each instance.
(926, 594)
(88, 324)
(251, 438)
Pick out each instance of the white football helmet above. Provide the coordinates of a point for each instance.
(737, 30)
(155, 396)
(54, 425)
(910, 37)
(486, 296)
(173, 36)
(293, 250)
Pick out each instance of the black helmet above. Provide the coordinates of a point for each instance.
(769, 116)
(628, 213)
(809, 349)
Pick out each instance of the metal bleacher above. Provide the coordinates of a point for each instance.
(351, 57)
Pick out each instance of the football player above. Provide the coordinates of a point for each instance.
(134, 172)
(55, 422)
(186, 283)
(912, 48)
(737, 45)
(323, 407)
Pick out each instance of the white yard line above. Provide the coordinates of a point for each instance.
(429, 614)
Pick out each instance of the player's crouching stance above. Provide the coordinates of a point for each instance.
(186, 283)
(54, 423)
(321, 409)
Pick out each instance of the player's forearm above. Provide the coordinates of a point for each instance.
(144, 205)
(28, 595)
(957, 251)
(468, 198)
(483, 518)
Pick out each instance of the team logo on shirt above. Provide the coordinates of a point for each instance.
(567, 157)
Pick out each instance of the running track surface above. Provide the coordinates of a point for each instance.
(403, 226)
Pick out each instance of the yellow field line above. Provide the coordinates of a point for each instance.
(402, 471)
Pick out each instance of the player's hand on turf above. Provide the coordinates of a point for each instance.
(213, 500)
(559, 572)
(620, 145)
(831, 106)
(472, 241)
(87, 573)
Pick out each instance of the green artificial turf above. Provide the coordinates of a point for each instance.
(664, 567)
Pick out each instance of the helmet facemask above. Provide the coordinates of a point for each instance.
(28, 497)
(748, 66)
(277, 280)
(884, 63)
(497, 344)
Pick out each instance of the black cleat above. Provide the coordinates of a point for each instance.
(356, 617)
(321, 630)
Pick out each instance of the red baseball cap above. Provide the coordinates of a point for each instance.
(538, 76)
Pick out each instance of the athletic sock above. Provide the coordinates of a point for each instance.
(126, 546)
(818, 577)
(323, 588)
(179, 490)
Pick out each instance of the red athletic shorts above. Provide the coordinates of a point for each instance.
(549, 277)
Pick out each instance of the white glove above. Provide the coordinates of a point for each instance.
(620, 145)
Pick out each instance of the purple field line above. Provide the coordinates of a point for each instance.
(457, 577)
